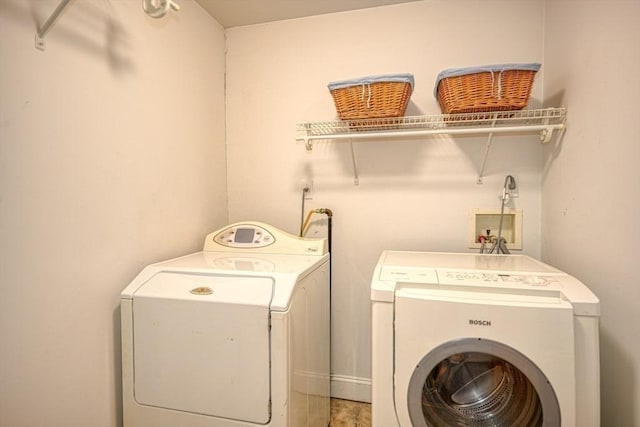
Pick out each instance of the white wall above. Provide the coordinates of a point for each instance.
(590, 193)
(111, 157)
(413, 194)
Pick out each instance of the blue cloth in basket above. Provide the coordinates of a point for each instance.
(496, 68)
(402, 78)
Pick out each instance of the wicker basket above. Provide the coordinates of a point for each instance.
(372, 97)
(489, 88)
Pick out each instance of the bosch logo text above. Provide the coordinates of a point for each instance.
(479, 322)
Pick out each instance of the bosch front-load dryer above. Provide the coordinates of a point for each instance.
(234, 336)
(482, 340)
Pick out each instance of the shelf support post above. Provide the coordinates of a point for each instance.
(356, 178)
(486, 150)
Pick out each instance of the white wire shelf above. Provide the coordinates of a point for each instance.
(545, 121)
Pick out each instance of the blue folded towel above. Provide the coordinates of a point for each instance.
(402, 78)
(496, 68)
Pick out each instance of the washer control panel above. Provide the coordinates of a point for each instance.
(244, 236)
(471, 277)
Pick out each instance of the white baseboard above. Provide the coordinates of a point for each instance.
(351, 388)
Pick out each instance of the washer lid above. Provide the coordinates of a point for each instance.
(467, 262)
(245, 290)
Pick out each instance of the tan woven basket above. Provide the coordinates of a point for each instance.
(485, 91)
(374, 100)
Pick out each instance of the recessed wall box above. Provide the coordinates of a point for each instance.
(483, 221)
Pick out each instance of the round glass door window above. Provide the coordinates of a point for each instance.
(477, 382)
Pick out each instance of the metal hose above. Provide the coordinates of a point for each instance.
(509, 184)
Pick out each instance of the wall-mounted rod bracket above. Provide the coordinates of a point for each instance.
(42, 31)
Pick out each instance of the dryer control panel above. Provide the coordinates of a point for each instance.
(257, 237)
(244, 236)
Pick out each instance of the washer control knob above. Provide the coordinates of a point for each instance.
(535, 281)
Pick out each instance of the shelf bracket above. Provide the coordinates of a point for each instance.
(486, 151)
(356, 178)
(307, 141)
(308, 144)
(547, 133)
(42, 31)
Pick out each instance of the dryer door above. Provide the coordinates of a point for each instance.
(201, 345)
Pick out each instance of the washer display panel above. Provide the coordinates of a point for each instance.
(479, 382)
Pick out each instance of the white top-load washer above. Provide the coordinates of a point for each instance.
(236, 335)
(482, 340)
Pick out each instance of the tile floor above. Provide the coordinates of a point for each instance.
(347, 413)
